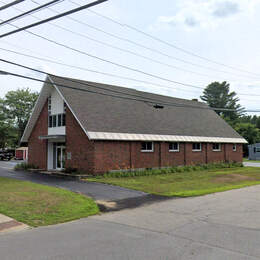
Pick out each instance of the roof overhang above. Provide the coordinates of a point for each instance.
(167, 138)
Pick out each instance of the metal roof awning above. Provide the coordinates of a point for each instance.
(52, 137)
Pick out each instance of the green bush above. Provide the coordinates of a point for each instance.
(25, 166)
(174, 169)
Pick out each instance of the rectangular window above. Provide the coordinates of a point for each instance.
(54, 121)
(63, 119)
(234, 147)
(50, 121)
(147, 147)
(216, 147)
(49, 104)
(174, 147)
(59, 119)
(196, 147)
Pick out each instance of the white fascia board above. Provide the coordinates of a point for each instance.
(168, 138)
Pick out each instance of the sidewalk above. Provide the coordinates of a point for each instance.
(8, 224)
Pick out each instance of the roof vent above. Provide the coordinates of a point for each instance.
(158, 106)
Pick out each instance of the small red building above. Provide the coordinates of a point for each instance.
(99, 128)
(21, 153)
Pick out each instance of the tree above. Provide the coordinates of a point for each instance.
(218, 95)
(18, 106)
(249, 131)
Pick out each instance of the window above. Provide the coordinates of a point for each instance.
(174, 147)
(63, 119)
(147, 147)
(50, 121)
(234, 147)
(59, 119)
(216, 147)
(196, 147)
(256, 149)
(54, 121)
(49, 104)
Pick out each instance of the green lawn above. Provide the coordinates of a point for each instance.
(246, 160)
(188, 183)
(39, 205)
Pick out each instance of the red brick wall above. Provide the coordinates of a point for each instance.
(234, 156)
(111, 155)
(78, 144)
(171, 158)
(37, 149)
(195, 157)
(215, 156)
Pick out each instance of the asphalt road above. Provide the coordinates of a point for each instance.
(98, 191)
(222, 226)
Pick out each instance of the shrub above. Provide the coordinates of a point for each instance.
(170, 170)
(25, 166)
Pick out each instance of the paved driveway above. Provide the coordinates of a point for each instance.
(98, 191)
(222, 226)
(251, 164)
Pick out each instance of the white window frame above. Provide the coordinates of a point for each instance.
(216, 150)
(234, 148)
(147, 151)
(197, 150)
(173, 150)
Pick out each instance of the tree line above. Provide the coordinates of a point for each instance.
(15, 110)
(218, 95)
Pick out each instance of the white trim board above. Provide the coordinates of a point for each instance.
(167, 138)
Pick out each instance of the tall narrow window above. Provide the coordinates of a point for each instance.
(49, 104)
(50, 121)
(234, 147)
(54, 121)
(63, 119)
(59, 119)
(147, 147)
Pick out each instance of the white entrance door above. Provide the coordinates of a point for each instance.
(60, 157)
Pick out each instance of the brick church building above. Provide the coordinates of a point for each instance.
(97, 128)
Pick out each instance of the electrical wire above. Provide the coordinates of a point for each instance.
(143, 46)
(37, 9)
(167, 43)
(53, 18)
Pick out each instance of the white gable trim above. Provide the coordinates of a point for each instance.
(69, 107)
(167, 138)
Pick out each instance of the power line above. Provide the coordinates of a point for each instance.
(93, 71)
(102, 73)
(10, 4)
(141, 45)
(120, 49)
(115, 96)
(167, 43)
(30, 11)
(53, 18)
(108, 61)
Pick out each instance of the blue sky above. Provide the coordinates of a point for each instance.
(226, 31)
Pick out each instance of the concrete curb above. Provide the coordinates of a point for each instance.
(8, 224)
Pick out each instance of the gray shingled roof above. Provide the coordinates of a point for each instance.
(100, 113)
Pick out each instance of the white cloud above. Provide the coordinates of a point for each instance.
(205, 14)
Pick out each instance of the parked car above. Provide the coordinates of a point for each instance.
(6, 155)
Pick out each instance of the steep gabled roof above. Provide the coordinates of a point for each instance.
(112, 118)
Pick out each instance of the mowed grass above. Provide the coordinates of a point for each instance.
(40, 205)
(187, 184)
